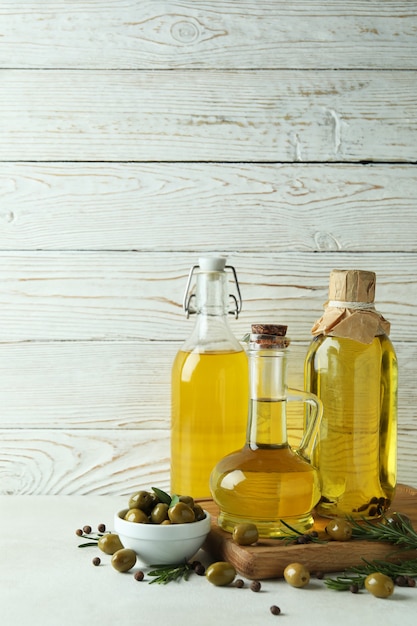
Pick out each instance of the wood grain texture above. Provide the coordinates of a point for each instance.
(203, 34)
(179, 206)
(93, 390)
(292, 116)
(116, 462)
(81, 295)
(135, 135)
(269, 558)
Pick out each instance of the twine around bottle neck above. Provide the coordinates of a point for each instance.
(357, 306)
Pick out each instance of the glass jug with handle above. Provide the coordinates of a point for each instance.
(267, 482)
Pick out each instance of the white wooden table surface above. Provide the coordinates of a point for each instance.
(45, 580)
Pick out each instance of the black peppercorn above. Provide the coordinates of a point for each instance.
(199, 569)
(101, 528)
(275, 610)
(96, 561)
(139, 575)
(354, 588)
(87, 529)
(239, 583)
(79, 532)
(255, 585)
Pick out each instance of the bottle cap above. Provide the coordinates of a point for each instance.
(212, 263)
(269, 329)
(350, 313)
(268, 336)
(352, 286)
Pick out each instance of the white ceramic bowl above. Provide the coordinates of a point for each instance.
(157, 544)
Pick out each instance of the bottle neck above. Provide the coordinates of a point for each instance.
(211, 331)
(211, 294)
(267, 424)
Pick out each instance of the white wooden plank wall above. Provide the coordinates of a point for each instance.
(135, 135)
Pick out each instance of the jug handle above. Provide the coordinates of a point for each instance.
(308, 441)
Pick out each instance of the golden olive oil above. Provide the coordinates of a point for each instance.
(266, 483)
(356, 448)
(209, 415)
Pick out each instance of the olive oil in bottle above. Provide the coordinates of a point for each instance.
(351, 365)
(209, 385)
(266, 482)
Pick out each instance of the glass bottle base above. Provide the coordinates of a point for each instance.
(268, 528)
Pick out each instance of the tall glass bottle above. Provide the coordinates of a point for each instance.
(266, 482)
(209, 384)
(352, 367)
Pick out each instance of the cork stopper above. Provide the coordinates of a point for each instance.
(267, 336)
(352, 286)
(269, 329)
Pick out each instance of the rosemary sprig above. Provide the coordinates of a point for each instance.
(399, 533)
(92, 541)
(345, 582)
(407, 569)
(164, 574)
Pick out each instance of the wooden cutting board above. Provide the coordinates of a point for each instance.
(268, 557)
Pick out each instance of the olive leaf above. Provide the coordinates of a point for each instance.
(162, 495)
(165, 497)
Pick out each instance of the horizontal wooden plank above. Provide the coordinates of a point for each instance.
(115, 462)
(86, 385)
(172, 206)
(94, 418)
(218, 116)
(110, 385)
(202, 34)
(131, 295)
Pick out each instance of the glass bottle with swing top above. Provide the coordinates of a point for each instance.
(209, 384)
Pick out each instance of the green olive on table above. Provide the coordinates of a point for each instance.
(137, 516)
(181, 513)
(109, 543)
(123, 560)
(339, 529)
(245, 534)
(297, 575)
(220, 573)
(380, 585)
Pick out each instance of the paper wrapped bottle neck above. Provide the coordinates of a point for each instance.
(351, 320)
